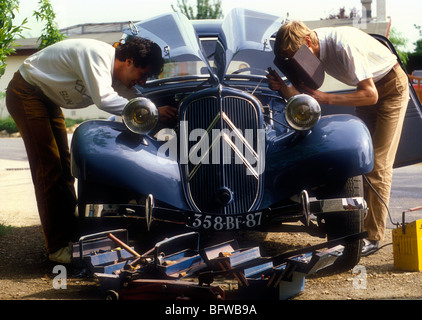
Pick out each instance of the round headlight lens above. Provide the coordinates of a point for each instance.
(140, 115)
(302, 112)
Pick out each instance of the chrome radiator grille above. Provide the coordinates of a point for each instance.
(221, 139)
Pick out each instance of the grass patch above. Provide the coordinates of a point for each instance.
(72, 122)
(4, 229)
(9, 125)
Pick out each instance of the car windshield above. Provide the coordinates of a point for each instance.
(183, 66)
(245, 62)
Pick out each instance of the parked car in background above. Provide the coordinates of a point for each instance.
(416, 78)
(238, 156)
(417, 73)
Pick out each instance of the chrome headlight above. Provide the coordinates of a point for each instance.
(302, 112)
(140, 115)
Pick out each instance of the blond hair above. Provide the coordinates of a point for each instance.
(291, 36)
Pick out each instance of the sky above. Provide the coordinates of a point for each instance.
(404, 13)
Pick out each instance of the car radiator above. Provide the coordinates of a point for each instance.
(221, 137)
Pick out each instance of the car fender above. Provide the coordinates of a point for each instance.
(105, 152)
(337, 148)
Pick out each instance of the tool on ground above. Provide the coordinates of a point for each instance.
(177, 268)
(123, 245)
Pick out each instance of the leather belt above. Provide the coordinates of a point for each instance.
(388, 75)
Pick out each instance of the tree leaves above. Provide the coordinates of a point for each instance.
(50, 33)
(8, 31)
(204, 9)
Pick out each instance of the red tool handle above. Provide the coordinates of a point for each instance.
(123, 245)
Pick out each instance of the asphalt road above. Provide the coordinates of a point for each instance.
(406, 193)
(406, 189)
(12, 149)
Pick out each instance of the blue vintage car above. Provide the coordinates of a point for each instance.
(238, 156)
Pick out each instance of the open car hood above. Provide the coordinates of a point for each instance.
(241, 30)
(176, 36)
(244, 29)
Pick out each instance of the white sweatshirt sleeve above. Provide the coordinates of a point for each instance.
(76, 73)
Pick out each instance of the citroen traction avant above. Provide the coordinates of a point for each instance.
(238, 156)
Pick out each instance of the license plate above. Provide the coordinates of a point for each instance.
(224, 222)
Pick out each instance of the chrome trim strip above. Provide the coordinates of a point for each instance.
(240, 155)
(338, 205)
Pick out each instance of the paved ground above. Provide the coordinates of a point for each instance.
(18, 208)
(17, 198)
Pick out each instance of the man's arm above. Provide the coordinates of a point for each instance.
(277, 84)
(366, 94)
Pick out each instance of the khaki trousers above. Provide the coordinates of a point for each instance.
(42, 127)
(385, 122)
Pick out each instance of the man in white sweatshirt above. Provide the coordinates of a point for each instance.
(71, 74)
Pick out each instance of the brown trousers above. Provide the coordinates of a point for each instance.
(385, 122)
(42, 127)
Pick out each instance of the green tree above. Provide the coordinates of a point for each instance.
(415, 57)
(399, 42)
(418, 49)
(50, 34)
(418, 43)
(8, 31)
(204, 9)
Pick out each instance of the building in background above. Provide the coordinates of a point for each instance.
(107, 32)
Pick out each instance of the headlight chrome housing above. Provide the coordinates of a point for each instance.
(140, 115)
(302, 112)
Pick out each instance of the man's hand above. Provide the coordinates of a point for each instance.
(277, 84)
(167, 113)
(321, 97)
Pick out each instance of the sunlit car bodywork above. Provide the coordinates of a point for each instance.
(238, 156)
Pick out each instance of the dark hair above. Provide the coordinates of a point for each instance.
(144, 52)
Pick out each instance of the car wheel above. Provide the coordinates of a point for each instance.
(338, 225)
(81, 201)
(112, 295)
